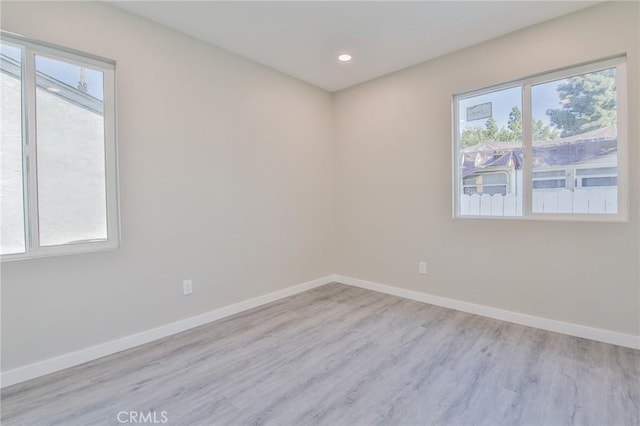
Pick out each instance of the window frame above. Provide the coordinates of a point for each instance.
(31, 48)
(620, 63)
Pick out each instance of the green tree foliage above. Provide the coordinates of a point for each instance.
(515, 121)
(472, 136)
(512, 133)
(491, 129)
(588, 103)
(544, 133)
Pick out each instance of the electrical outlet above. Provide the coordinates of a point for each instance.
(422, 267)
(187, 287)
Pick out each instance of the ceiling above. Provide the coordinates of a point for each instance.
(304, 38)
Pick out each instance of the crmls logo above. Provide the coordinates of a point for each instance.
(142, 417)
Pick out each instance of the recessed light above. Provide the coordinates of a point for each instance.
(344, 57)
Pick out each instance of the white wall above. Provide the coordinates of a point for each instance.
(393, 168)
(225, 177)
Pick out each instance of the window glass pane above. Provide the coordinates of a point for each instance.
(600, 171)
(71, 153)
(549, 183)
(601, 181)
(492, 178)
(12, 239)
(490, 153)
(549, 174)
(574, 124)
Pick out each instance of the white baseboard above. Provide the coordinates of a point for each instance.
(52, 365)
(577, 330)
(61, 362)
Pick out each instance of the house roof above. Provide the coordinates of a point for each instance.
(596, 144)
(54, 86)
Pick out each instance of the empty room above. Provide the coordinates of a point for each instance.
(343, 213)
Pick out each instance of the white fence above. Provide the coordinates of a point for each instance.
(597, 200)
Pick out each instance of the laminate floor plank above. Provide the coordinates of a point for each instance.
(338, 355)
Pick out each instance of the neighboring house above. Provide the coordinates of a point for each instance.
(576, 174)
(588, 160)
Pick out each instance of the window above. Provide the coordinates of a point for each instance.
(486, 183)
(573, 178)
(58, 192)
(598, 177)
(552, 146)
(552, 179)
